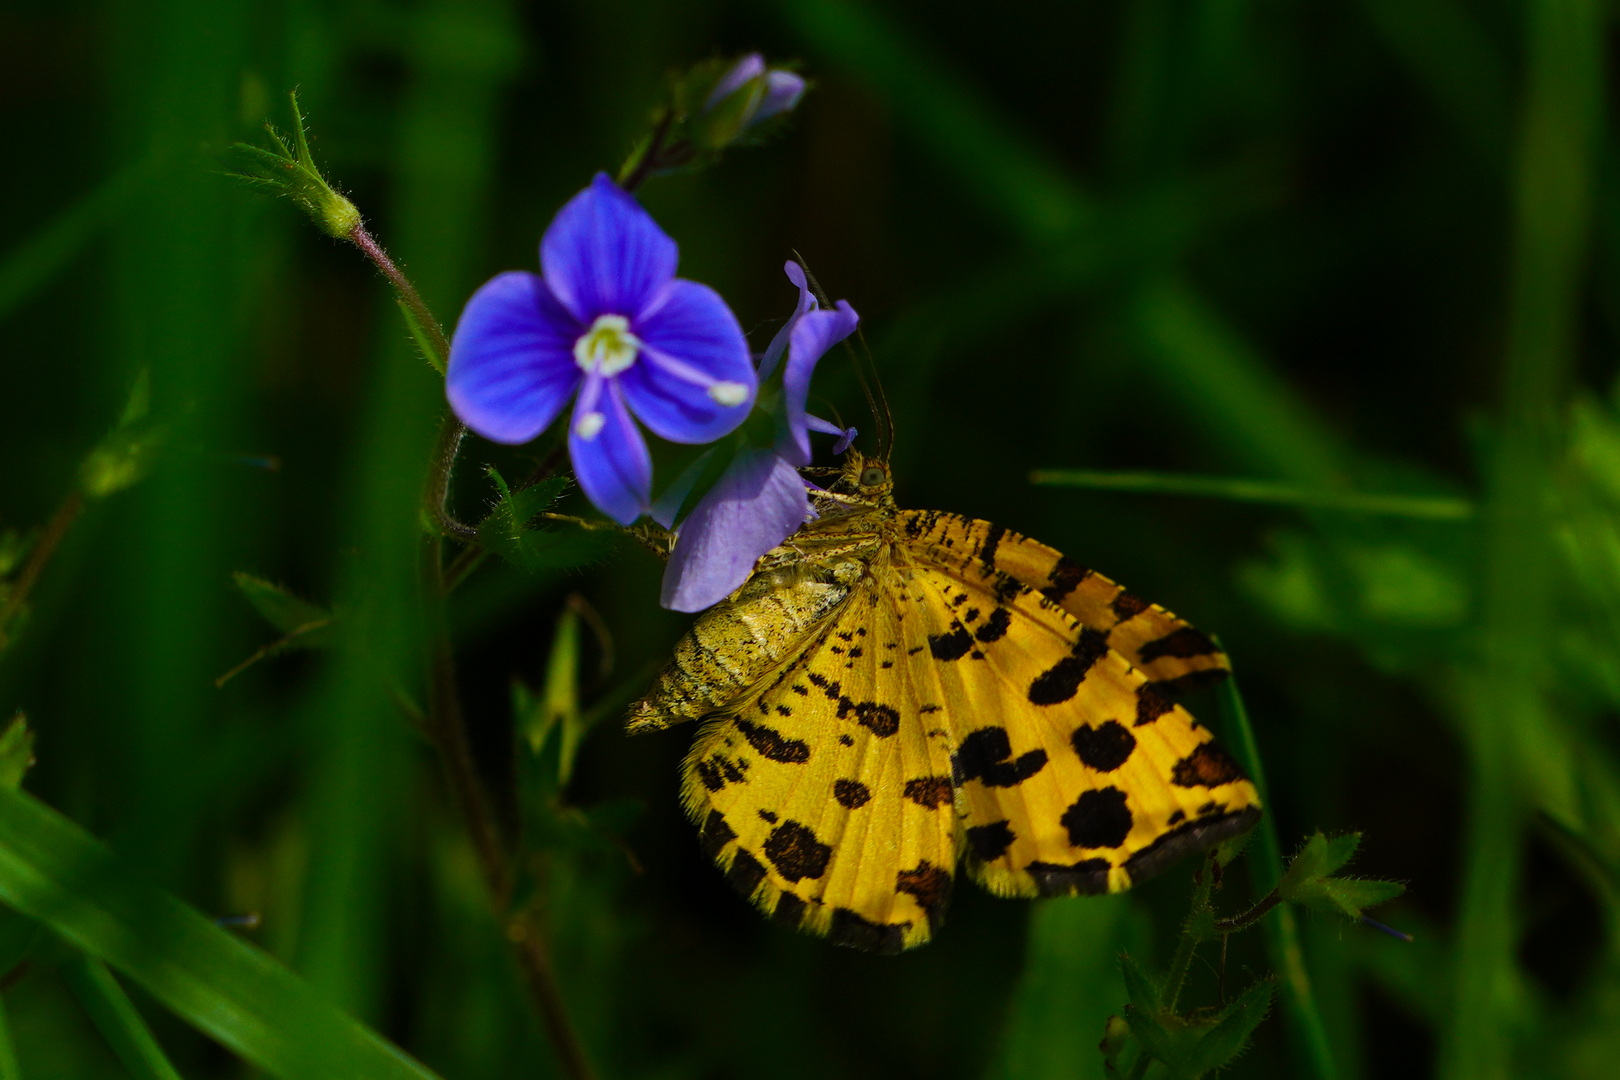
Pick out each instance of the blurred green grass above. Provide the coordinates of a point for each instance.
(1367, 248)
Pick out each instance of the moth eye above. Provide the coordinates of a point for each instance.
(873, 475)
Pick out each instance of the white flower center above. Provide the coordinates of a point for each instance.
(608, 347)
(729, 393)
(589, 425)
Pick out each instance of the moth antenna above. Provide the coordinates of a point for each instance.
(877, 402)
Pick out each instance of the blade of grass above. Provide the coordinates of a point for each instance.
(1424, 507)
(1504, 708)
(114, 1015)
(1265, 861)
(55, 872)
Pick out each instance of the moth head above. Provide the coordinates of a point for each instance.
(867, 477)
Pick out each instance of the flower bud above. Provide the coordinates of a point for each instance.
(744, 97)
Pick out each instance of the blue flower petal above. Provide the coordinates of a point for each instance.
(779, 343)
(604, 254)
(814, 333)
(757, 503)
(743, 71)
(783, 89)
(693, 380)
(609, 455)
(512, 363)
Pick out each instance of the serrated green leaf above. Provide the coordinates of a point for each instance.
(1319, 858)
(16, 752)
(280, 608)
(1347, 896)
(1229, 1037)
(506, 529)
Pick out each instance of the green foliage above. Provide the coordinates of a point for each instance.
(1310, 881)
(16, 752)
(1188, 1046)
(125, 455)
(509, 530)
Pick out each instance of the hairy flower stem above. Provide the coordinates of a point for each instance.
(44, 548)
(412, 299)
(1253, 915)
(447, 727)
(1182, 962)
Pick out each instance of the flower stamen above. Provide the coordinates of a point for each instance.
(723, 391)
(608, 347)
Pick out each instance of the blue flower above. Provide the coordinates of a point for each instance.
(760, 499)
(606, 320)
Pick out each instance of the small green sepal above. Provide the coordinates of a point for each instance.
(289, 169)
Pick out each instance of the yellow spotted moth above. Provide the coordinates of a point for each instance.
(894, 691)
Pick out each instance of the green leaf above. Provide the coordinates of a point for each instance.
(125, 455)
(1319, 858)
(506, 530)
(1142, 990)
(1230, 1036)
(114, 1015)
(282, 609)
(52, 870)
(16, 752)
(291, 171)
(1346, 896)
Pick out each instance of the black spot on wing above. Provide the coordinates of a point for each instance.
(845, 740)
(983, 756)
(1086, 877)
(716, 834)
(1178, 817)
(987, 550)
(1198, 835)
(1105, 747)
(1182, 643)
(995, 627)
(1064, 577)
(1193, 680)
(931, 886)
(1207, 766)
(929, 792)
(1062, 680)
(768, 816)
(951, 646)
(1150, 704)
(709, 774)
(745, 873)
(852, 930)
(990, 842)
(795, 852)
(880, 720)
(1127, 606)
(1098, 819)
(772, 744)
(851, 794)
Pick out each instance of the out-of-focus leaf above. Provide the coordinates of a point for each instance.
(125, 455)
(282, 609)
(1318, 858)
(52, 870)
(14, 548)
(114, 1015)
(8, 1054)
(16, 752)
(1221, 1044)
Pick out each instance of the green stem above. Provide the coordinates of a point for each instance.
(1282, 933)
(1422, 507)
(114, 1015)
(41, 554)
(408, 295)
(1246, 919)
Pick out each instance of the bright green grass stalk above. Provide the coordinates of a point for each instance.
(1421, 507)
(1557, 129)
(1265, 862)
(53, 871)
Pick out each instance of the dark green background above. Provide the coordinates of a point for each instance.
(1359, 245)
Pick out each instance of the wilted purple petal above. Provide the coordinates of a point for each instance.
(813, 335)
(756, 504)
(783, 89)
(693, 380)
(745, 70)
(512, 365)
(604, 254)
(779, 343)
(609, 455)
